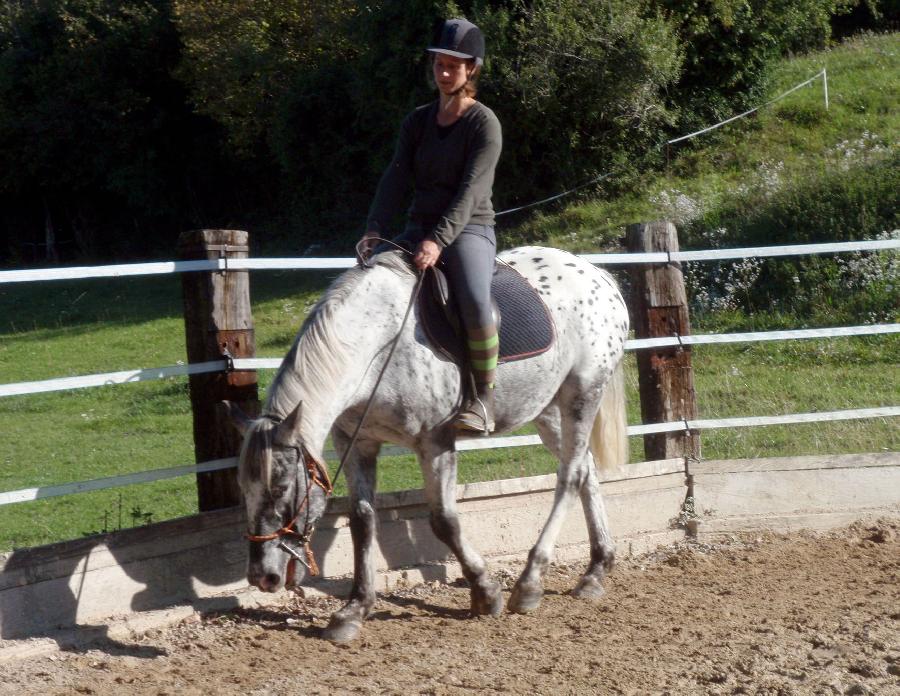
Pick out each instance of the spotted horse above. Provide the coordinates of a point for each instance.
(573, 392)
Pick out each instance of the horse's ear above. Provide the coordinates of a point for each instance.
(288, 431)
(233, 412)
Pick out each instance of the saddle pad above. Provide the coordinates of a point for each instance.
(526, 328)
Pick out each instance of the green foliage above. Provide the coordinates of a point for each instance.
(837, 201)
(241, 59)
(731, 47)
(579, 87)
(92, 126)
(794, 173)
(124, 123)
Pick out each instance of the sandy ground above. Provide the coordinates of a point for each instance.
(799, 614)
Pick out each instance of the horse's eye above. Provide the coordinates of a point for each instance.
(277, 492)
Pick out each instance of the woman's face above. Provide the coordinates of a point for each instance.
(450, 73)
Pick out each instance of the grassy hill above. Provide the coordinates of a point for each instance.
(792, 172)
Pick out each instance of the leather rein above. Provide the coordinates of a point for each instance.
(318, 474)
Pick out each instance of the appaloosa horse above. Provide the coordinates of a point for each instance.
(326, 380)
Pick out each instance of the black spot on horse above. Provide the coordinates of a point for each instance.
(542, 279)
(571, 264)
(538, 259)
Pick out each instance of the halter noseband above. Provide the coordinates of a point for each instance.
(315, 474)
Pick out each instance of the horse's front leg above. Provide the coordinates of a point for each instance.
(360, 468)
(439, 471)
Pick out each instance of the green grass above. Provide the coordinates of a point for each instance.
(58, 329)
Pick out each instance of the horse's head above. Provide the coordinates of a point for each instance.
(285, 490)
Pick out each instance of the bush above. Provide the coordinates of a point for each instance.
(96, 134)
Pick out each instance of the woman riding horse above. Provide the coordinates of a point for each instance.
(449, 149)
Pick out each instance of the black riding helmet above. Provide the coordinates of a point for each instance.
(459, 38)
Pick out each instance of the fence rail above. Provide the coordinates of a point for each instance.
(105, 379)
(29, 494)
(334, 263)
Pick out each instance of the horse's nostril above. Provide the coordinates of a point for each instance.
(270, 582)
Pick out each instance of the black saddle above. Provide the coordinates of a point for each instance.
(523, 320)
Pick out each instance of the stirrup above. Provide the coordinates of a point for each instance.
(470, 420)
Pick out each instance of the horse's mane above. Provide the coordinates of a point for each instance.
(320, 354)
(256, 454)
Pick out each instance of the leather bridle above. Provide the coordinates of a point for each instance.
(315, 474)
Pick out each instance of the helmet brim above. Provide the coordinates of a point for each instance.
(455, 54)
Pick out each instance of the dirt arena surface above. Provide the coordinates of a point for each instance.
(757, 614)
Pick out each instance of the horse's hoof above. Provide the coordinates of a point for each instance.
(488, 602)
(342, 630)
(589, 588)
(524, 600)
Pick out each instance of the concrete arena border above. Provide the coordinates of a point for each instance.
(143, 578)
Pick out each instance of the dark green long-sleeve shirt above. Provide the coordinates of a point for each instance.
(452, 169)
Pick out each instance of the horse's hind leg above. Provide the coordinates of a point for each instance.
(360, 468)
(566, 437)
(602, 547)
(439, 472)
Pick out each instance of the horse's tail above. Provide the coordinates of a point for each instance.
(609, 436)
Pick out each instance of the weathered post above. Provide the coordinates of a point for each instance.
(217, 322)
(659, 308)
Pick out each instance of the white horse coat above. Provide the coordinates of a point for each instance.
(329, 375)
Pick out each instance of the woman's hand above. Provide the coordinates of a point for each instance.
(427, 254)
(367, 243)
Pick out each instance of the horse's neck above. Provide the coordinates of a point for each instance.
(330, 366)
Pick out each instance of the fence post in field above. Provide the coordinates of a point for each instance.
(217, 322)
(659, 308)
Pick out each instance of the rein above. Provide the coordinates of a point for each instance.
(318, 475)
(412, 303)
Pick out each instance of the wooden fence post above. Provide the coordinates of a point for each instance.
(659, 308)
(217, 322)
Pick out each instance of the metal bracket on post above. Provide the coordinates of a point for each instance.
(223, 250)
(229, 360)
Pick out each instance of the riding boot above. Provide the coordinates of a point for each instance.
(477, 415)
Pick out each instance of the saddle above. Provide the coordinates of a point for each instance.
(524, 324)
